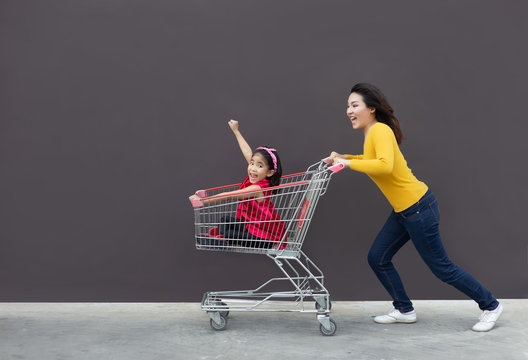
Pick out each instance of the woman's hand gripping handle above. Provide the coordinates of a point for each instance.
(336, 167)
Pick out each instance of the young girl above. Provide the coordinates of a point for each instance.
(256, 223)
(415, 216)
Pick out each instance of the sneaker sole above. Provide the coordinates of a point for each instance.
(395, 321)
(483, 330)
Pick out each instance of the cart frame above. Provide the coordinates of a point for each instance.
(305, 281)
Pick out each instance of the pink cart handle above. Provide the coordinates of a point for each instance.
(337, 167)
(334, 168)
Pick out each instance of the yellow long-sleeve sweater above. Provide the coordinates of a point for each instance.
(384, 163)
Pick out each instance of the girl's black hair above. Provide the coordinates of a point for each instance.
(374, 98)
(276, 177)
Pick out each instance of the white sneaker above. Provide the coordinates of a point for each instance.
(395, 316)
(487, 319)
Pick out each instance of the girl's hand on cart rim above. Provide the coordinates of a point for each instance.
(194, 197)
(233, 124)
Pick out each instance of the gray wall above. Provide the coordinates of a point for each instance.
(113, 112)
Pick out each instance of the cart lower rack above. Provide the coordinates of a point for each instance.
(272, 222)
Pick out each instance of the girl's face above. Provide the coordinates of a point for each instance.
(258, 169)
(359, 114)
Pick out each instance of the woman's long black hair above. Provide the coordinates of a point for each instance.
(276, 177)
(374, 98)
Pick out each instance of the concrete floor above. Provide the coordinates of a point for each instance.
(181, 331)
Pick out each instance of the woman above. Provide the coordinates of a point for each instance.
(415, 216)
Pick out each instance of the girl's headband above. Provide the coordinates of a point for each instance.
(269, 151)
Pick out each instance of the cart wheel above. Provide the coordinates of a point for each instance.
(224, 313)
(333, 328)
(318, 306)
(222, 325)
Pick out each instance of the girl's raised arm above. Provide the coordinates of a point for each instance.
(244, 146)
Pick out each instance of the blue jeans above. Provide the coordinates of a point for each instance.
(420, 223)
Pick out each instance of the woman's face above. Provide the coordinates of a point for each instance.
(359, 114)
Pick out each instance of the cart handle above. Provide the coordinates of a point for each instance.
(334, 168)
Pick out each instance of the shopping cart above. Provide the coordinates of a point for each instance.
(292, 206)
